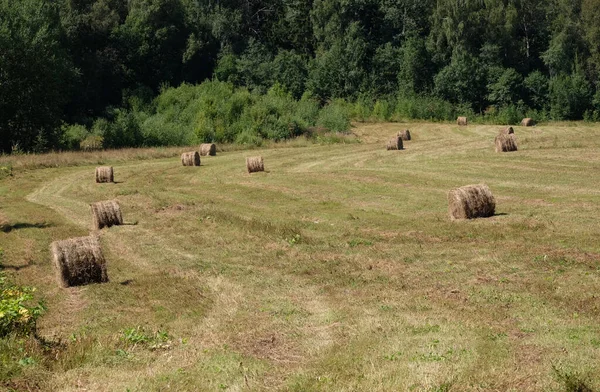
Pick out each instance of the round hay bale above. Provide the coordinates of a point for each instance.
(507, 131)
(255, 164)
(105, 174)
(462, 121)
(471, 201)
(395, 144)
(190, 158)
(207, 149)
(79, 261)
(405, 135)
(527, 122)
(506, 143)
(106, 214)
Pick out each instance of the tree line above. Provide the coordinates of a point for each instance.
(100, 65)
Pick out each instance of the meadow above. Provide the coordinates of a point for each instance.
(337, 269)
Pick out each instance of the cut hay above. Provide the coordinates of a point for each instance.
(471, 201)
(207, 149)
(79, 261)
(405, 135)
(507, 131)
(255, 164)
(190, 158)
(106, 214)
(462, 121)
(395, 144)
(105, 174)
(527, 122)
(506, 143)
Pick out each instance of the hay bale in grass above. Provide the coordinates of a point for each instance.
(405, 135)
(105, 174)
(507, 131)
(207, 149)
(527, 122)
(79, 261)
(471, 201)
(506, 143)
(462, 121)
(190, 158)
(106, 214)
(395, 144)
(255, 164)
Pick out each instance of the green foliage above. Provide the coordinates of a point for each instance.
(36, 75)
(335, 117)
(425, 108)
(570, 96)
(139, 336)
(506, 89)
(18, 310)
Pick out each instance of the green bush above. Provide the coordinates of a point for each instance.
(425, 108)
(335, 117)
(18, 312)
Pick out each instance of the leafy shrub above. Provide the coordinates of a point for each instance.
(425, 108)
(335, 116)
(18, 314)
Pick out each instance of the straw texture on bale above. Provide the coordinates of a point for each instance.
(462, 121)
(527, 122)
(255, 164)
(106, 214)
(471, 201)
(190, 158)
(507, 131)
(506, 143)
(208, 149)
(405, 135)
(395, 144)
(105, 174)
(79, 261)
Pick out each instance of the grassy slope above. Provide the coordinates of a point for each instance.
(336, 270)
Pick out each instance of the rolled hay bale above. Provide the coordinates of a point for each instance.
(255, 164)
(527, 122)
(190, 158)
(207, 149)
(395, 144)
(507, 131)
(506, 143)
(105, 174)
(106, 214)
(471, 201)
(405, 135)
(79, 261)
(462, 121)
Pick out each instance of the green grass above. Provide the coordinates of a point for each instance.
(338, 269)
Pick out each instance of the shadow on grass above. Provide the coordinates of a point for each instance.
(17, 226)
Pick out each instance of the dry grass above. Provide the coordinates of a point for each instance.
(105, 174)
(255, 164)
(405, 134)
(395, 144)
(471, 201)
(527, 122)
(106, 214)
(208, 149)
(340, 270)
(79, 261)
(505, 143)
(190, 158)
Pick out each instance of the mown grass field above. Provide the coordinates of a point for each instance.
(336, 270)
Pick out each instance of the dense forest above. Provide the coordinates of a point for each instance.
(84, 73)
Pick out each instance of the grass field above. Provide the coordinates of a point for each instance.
(336, 270)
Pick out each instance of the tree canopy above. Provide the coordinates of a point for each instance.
(74, 61)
